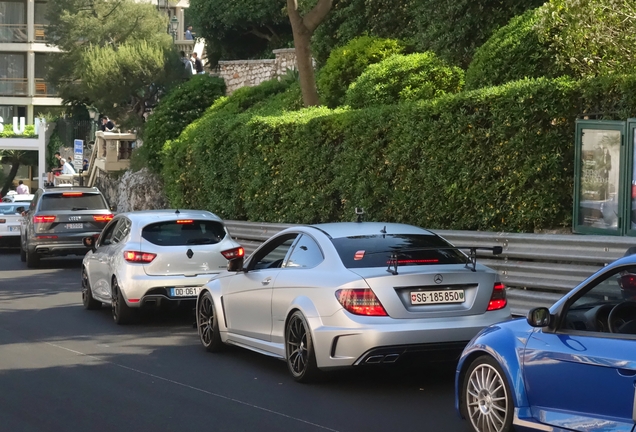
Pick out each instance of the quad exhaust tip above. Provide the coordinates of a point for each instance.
(382, 359)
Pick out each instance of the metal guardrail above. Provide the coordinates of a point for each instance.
(537, 269)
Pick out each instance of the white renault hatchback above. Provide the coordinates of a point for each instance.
(10, 220)
(154, 257)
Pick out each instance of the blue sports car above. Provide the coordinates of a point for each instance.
(568, 368)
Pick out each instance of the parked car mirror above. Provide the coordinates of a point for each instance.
(539, 317)
(235, 265)
(89, 242)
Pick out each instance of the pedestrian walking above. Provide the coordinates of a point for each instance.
(188, 34)
(198, 66)
(187, 63)
(22, 189)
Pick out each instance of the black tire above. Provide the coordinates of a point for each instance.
(299, 349)
(208, 324)
(122, 313)
(87, 294)
(32, 259)
(486, 400)
(22, 254)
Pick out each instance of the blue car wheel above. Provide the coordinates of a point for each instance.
(487, 401)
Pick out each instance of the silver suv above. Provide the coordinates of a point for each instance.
(58, 219)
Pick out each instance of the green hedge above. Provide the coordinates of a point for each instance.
(401, 78)
(347, 63)
(183, 105)
(499, 158)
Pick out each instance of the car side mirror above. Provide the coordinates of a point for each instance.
(235, 265)
(89, 242)
(540, 317)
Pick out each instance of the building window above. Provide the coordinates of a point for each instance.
(13, 79)
(13, 24)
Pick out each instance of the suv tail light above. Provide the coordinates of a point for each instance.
(139, 257)
(103, 218)
(233, 253)
(43, 219)
(498, 297)
(362, 301)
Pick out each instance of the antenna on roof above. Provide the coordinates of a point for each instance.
(360, 213)
(383, 230)
(177, 212)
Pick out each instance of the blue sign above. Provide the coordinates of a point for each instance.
(79, 153)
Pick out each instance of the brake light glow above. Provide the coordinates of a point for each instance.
(360, 301)
(415, 261)
(72, 194)
(359, 255)
(233, 253)
(498, 298)
(3, 220)
(139, 257)
(46, 237)
(184, 221)
(103, 218)
(43, 219)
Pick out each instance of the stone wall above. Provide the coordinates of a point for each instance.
(131, 191)
(249, 73)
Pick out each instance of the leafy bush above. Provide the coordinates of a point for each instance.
(179, 108)
(347, 63)
(513, 52)
(498, 158)
(404, 78)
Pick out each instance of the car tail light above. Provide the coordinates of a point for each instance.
(184, 221)
(72, 194)
(46, 237)
(43, 219)
(3, 220)
(361, 301)
(103, 218)
(139, 257)
(233, 253)
(498, 297)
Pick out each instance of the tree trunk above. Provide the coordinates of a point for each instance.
(10, 177)
(303, 28)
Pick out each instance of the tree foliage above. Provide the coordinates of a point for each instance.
(402, 78)
(241, 29)
(94, 30)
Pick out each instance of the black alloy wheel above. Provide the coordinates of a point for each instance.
(87, 294)
(32, 259)
(122, 314)
(299, 349)
(208, 324)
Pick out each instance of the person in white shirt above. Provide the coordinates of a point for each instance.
(22, 189)
(67, 168)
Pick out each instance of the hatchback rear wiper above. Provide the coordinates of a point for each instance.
(79, 208)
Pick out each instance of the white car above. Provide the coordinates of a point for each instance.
(9, 198)
(10, 220)
(152, 258)
(347, 294)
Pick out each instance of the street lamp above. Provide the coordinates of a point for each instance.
(174, 27)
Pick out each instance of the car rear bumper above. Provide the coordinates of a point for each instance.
(353, 343)
(147, 290)
(60, 249)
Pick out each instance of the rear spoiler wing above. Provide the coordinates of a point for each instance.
(472, 255)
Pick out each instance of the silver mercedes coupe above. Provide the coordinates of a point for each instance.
(346, 294)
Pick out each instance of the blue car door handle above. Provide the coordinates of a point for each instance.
(626, 372)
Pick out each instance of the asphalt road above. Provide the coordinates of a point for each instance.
(63, 368)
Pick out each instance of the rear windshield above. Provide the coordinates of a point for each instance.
(84, 201)
(183, 233)
(410, 249)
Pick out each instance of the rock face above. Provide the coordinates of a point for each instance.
(140, 190)
(248, 73)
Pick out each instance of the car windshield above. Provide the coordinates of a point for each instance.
(11, 209)
(184, 232)
(410, 249)
(73, 201)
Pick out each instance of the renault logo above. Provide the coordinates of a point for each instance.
(189, 253)
(438, 278)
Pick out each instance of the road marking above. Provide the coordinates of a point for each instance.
(192, 387)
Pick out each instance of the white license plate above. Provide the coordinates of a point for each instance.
(185, 292)
(437, 297)
(14, 228)
(75, 226)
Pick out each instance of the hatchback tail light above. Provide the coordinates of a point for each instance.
(139, 257)
(498, 297)
(362, 301)
(43, 219)
(233, 253)
(103, 218)
(3, 220)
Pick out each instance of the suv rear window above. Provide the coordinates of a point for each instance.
(61, 201)
(411, 249)
(184, 232)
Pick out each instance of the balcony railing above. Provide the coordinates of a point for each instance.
(13, 33)
(44, 89)
(187, 46)
(13, 87)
